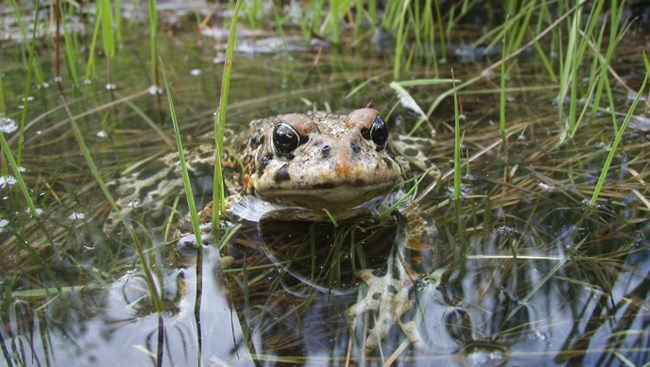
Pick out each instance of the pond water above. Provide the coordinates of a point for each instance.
(527, 273)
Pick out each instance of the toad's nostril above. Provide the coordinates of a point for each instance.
(325, 151)
(355, 147)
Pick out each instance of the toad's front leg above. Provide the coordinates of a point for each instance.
(393, 295)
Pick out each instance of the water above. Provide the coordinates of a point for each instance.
(530, 275)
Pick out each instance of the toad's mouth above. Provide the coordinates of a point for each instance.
(330, 196)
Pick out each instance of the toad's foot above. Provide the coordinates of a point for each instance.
(391, 298)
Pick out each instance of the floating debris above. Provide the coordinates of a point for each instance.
(102, 134)
(196, 72)
(76, 216)
(57, 79)
(6, 181)
(546, 187)
(8, 125)
(504, 230)
(111, 86)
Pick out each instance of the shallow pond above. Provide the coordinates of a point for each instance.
(528, 272)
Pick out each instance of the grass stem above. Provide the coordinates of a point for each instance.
(617, 140)
(218, 202)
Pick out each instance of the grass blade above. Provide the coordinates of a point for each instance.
(187, 185)
(617, 140)
(218, 193)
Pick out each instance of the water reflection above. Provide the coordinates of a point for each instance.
(119, 325)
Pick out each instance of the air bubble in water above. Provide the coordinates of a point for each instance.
(3, 224)
(155, 90)
(7, 181)
(8, 125)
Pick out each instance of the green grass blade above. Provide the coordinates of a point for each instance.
(617, 140)
(106, 17)
(187, 185)
(91, 70)
(3, 103)
(69, 49)
(218, 194)
(333, 20)
(401, 41)
(118, 20)
(89, 159)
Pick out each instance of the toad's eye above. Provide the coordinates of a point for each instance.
(286, 139)
(378, 132)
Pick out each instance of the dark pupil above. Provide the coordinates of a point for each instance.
(379, 132)
(285, 138)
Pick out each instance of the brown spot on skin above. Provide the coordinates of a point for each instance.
(342, 167)
(248, 183)
(343, 159)
(282, 174)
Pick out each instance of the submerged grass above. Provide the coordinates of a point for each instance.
(146, 268)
